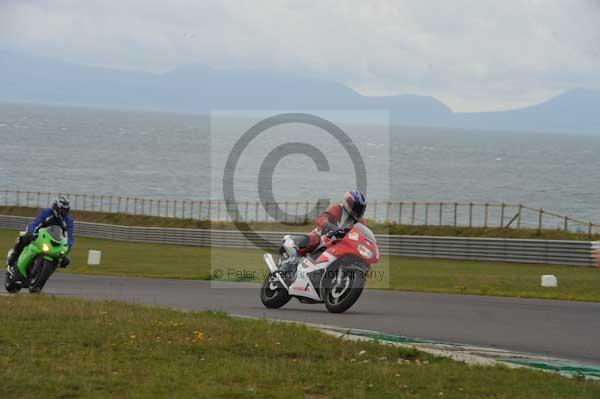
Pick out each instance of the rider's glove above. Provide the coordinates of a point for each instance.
(28, 237)
(328, 228)
(339, 233)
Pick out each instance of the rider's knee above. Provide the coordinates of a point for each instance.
(289, 246)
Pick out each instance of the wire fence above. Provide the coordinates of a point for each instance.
(457, 214)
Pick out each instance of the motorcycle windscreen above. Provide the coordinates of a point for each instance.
(365, 231)
(56, 233)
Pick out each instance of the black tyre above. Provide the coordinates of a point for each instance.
(40, 273)
(341, 287)
(272, 294)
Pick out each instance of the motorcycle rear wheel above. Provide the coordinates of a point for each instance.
(272, 294)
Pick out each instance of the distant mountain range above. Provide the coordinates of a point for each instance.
(199, 89)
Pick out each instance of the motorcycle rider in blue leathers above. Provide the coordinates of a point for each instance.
(57, 215)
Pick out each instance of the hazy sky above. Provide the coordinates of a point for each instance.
(471, 54)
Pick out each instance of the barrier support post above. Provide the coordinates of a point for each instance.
(470, 214)
(375, 212)
(388, 211)
(455, 213)
(485, 215)
(400, 205)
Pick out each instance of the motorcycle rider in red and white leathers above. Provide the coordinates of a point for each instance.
(337, 219)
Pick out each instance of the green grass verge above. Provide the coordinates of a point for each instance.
(379, 228)
(69, 348)
(401, 273)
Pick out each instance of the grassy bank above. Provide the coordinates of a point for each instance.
(58, 347)
(154, 221)
(411, 274)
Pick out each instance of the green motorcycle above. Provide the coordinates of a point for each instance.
(38, 260)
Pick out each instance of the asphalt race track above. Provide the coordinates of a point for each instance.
(563, 329)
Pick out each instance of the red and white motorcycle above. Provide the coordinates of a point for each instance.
(335, 274)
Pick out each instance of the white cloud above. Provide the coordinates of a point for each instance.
(472, 54)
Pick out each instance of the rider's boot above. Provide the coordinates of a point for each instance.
(11, 261)
(12, 273)
(288, 268)
(292, 251)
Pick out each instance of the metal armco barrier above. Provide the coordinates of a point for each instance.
(576, 253)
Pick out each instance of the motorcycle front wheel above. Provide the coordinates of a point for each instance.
(40, 273)
(272, 294)
(342, 286)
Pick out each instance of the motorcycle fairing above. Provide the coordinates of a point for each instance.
(308, 277)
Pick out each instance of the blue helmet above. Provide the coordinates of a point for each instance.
(61, 207)
(355, 203)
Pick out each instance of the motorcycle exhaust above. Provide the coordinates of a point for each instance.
(270, 262)
(268, 258)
